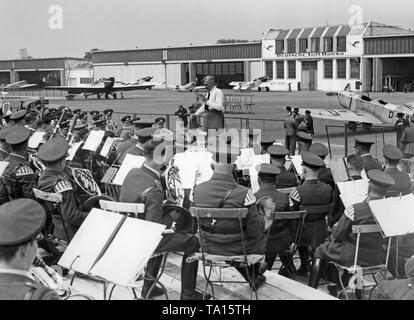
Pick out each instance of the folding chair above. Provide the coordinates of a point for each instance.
(134, 210)
(212, 261)
(293, 216)
(360, 272)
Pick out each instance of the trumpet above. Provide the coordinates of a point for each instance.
(49, 278)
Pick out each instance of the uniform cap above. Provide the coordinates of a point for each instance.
(108, 111)
(17, 135)
(127, 119)
(77, 111)
(277, 151)
(19, 115)
(53, 150)
(392, 152)
(146, 133)
(159, 119)
(311, 160)
(20, 221)
(319, 149)
(4, 131)
(94, 112)
(399, 114)
(141, 124)
(364, 141)
(301, 135)
(99, 122)
(267, 139)
(380, 179)
(267, 169)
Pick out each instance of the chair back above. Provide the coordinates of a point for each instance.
(298, 216)
(317, 210)
(219, 213)
(131, 209)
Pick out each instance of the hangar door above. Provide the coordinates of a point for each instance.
(309, 75)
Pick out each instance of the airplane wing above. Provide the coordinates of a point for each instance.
(346, 116)
(145, 85)
(77, 90)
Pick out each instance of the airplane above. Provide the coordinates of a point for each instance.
(250, 85)
(190, 87)
(360, 109)
(105, 86)
(18, 85)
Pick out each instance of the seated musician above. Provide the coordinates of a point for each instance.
(340, 248)
(279, 236)
(392, 156)
(19, 178)
(312, 192)
(55, 180)
(21, 222)
(266, 141)
(354, 169)
(278, 159)
(127, 129)
(304, 141)
(325, 174)
(143, 185)
(222, 191)
(362, 147)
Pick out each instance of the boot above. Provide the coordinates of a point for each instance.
(189, 280)
(270, 260)
(304, 261)
(315, 275)
(288, 269)
(152, 269)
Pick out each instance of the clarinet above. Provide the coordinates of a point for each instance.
(57, 127)
(70, 135)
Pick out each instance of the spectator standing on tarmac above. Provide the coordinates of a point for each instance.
(309, 123)
(291, 128)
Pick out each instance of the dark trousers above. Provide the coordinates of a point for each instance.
(290, 144)
(214, 120)
(177, 242)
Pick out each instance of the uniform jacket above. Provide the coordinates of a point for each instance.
(285, 179)
(291, 126)
(313, 193)
(221, 235)
(407, 141)
(398, 176)
(280, 237)
(369, 163)
(17, 286)
(18, 179)
(56, 181)
(341, 247)
(143, 185)
(325, 175)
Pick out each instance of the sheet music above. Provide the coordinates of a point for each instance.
(339, 170)
(35, 139)
(297, 163)
(3, 166)
(94, 140)
(129, 251)
(91, 240)
(394, 215)
(72, 151)
(187, 168)
(353, 192)
(203, 160)
(107, 147)
(245, 159)
(130, 162)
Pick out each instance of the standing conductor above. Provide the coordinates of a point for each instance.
(213, 105)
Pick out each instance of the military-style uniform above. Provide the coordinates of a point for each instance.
(18, 179)
(370, 163)
(341, 247)
(285, 179)
(402, 181)
(325, 175)
(217, 233)
(136, 150)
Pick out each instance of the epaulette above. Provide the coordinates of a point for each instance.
(294, 195)
(250, 198)
(24, 171)
(63, 186)
(350, 213)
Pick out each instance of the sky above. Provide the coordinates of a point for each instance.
(76, 26)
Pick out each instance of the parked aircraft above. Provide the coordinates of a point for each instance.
(190, 87)
(250, 85)
(18, 85)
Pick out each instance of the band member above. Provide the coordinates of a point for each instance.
(213, 105)
(392, 156)
(340, 248)
(19, 178)
(362, 147)
(304, 141)
(110, 124)
(143, 185)
(278, 159)
(144, 136)
(222, 191)
(21, 223)
(266, 141)
(18, 117)
(182, 115)
(159, 123)
(54, 180)
(4, 147)
(325, 174)
(312, 192)
(280, 237)
(127, 129)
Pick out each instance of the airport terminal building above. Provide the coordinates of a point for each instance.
(369, 57)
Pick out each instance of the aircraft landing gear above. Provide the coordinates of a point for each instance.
(352, 126)
(259, 89)
(98, 96)
(115, 96)
(106, 96)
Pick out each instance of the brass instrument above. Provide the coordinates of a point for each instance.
(57, 126)
(174, 189)
(70, 134)
(85, 181)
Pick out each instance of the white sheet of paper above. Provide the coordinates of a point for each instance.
(394, 215)
(297, 163)
(107, 147)
(203, 160)
(254, 179)
(72, 151)
(353, 192)
(187, 167)
(94, 140)
(3, 166)
(130, 162)
(338, 169)
(129, 252)
(91, 240)
(36, 139)
(245, 159)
